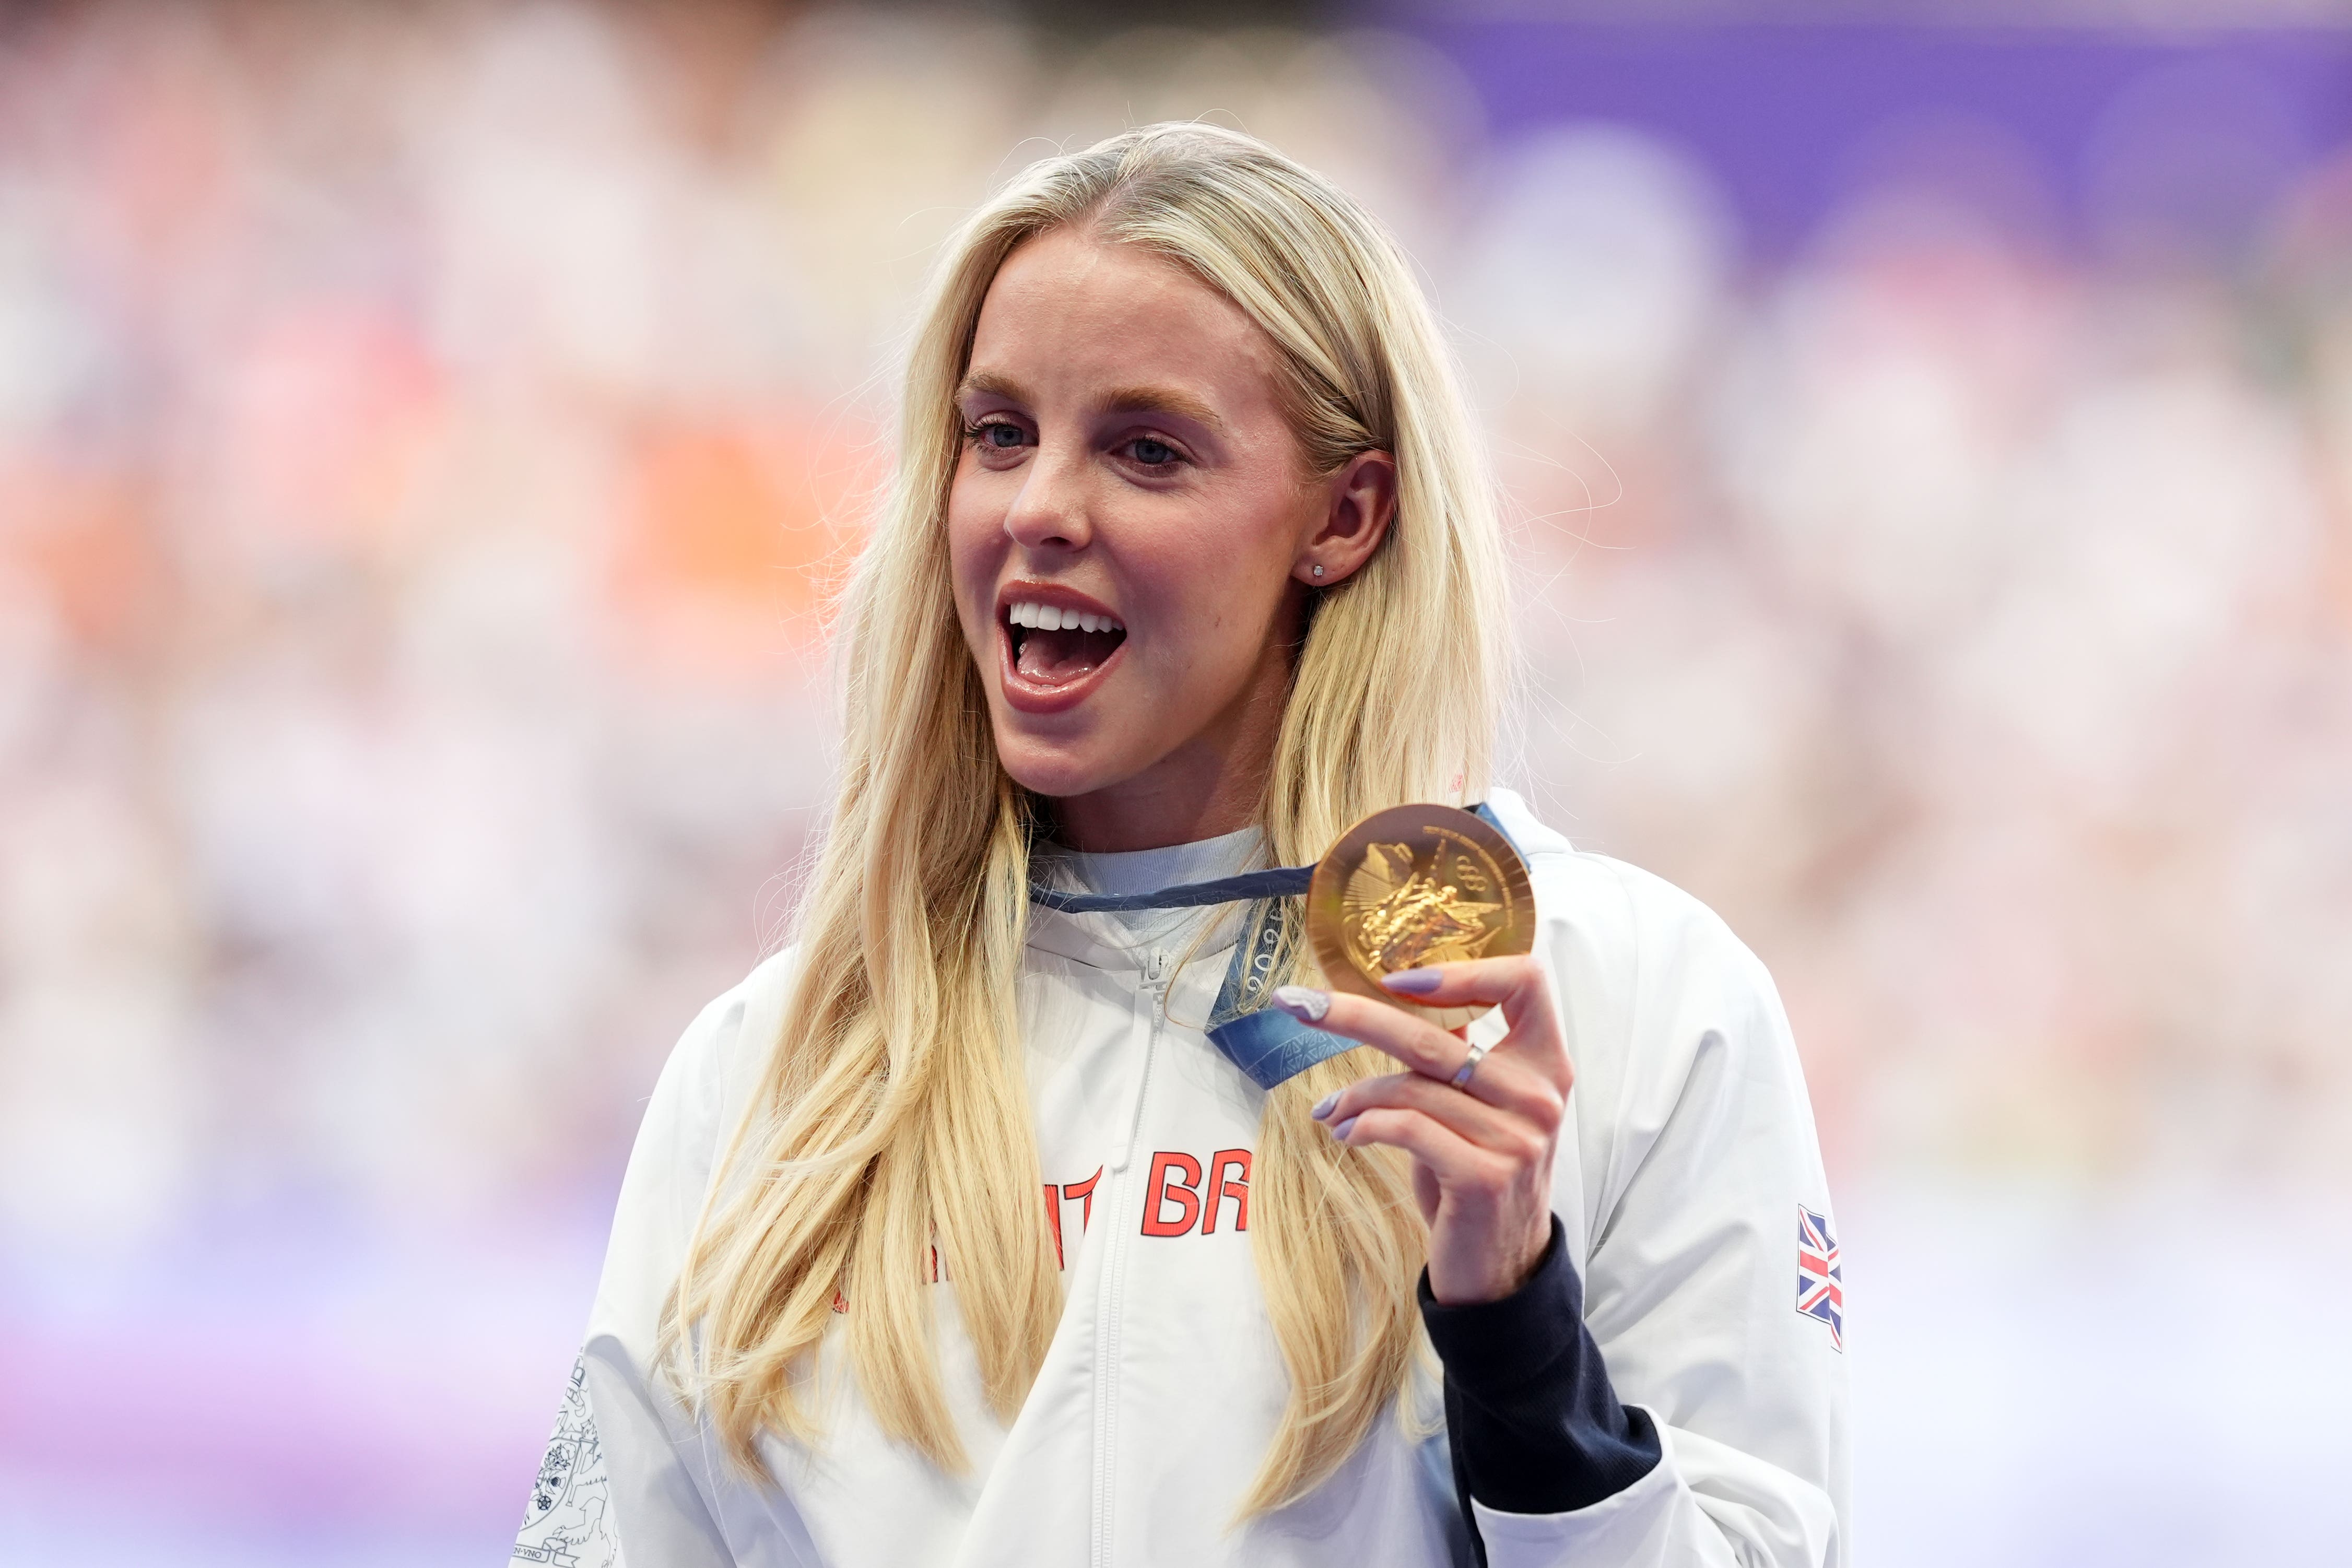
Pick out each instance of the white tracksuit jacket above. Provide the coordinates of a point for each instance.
(1686, 1156)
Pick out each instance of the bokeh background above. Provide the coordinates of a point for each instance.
(428, 433)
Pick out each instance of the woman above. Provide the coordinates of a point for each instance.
(1190, 563)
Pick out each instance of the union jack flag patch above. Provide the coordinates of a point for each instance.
(1821, 1280)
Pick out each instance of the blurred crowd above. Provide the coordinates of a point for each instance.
(428, 436)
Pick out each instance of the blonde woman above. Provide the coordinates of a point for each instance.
(994, 1222)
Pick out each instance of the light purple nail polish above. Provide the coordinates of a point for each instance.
(1413, 982)
(1323, 1106)
(1340, 1131)
(1303, 1002)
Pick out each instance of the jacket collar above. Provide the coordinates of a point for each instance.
(1099, 942)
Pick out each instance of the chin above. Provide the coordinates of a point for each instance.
(1056, 769)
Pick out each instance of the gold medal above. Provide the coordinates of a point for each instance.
(1412, 887)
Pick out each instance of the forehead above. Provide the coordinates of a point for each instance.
(1069, 312)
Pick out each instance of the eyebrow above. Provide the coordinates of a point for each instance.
(988, 383)
(1162, 400)
(1169, 401)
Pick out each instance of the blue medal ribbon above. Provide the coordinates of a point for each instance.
(1282, 882)
(1268, 1045)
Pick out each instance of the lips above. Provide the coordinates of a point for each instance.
(1058, 645)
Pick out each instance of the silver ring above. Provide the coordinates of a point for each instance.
(1461, 1079)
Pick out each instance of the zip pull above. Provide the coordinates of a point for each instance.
(1158, 971)
(1155, 966)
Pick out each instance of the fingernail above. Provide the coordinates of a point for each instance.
(1413, 982)
(1323, 1106)
(1339, 1132)
(1303, 1002)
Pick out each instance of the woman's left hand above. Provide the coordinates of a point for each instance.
(1481, 1154)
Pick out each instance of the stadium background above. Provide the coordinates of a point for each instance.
(428, 434)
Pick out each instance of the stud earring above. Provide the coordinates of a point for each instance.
(1319, 571)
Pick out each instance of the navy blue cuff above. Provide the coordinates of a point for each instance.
(1530, 1415)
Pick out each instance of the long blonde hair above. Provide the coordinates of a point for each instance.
(892, 1116)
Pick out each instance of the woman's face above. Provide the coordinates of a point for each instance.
(1133, 535)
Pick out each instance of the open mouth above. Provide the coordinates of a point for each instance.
(1055, 645)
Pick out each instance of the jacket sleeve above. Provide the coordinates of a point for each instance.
(1698, 1161)
(628, 1474)
(1531, 1421)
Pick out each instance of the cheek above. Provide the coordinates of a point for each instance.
(1224, 576)
(975, 550)
(964, 525)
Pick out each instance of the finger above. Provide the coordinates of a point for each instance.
(1459, 1164)
(1415, 1041)
(1524, 1142)
(1504, 1099)
(1519, 986)
(1537, 1082)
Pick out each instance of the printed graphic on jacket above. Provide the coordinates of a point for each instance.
(1182, 1195)
(1179, 1197)
(567, 1522)
(1821, 1277)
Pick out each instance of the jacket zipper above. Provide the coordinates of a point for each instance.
(1109, 1306)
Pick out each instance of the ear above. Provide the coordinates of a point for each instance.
(1358, 502)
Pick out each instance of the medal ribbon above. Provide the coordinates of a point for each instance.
(1268, 1045)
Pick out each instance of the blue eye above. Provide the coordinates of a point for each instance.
(1000, 435)
(1152, 454)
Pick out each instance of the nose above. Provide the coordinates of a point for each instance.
(1051, 510)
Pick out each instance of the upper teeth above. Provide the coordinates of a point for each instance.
(1051, 618)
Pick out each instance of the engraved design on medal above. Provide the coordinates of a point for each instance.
(1402, 911)
(1415, 886)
